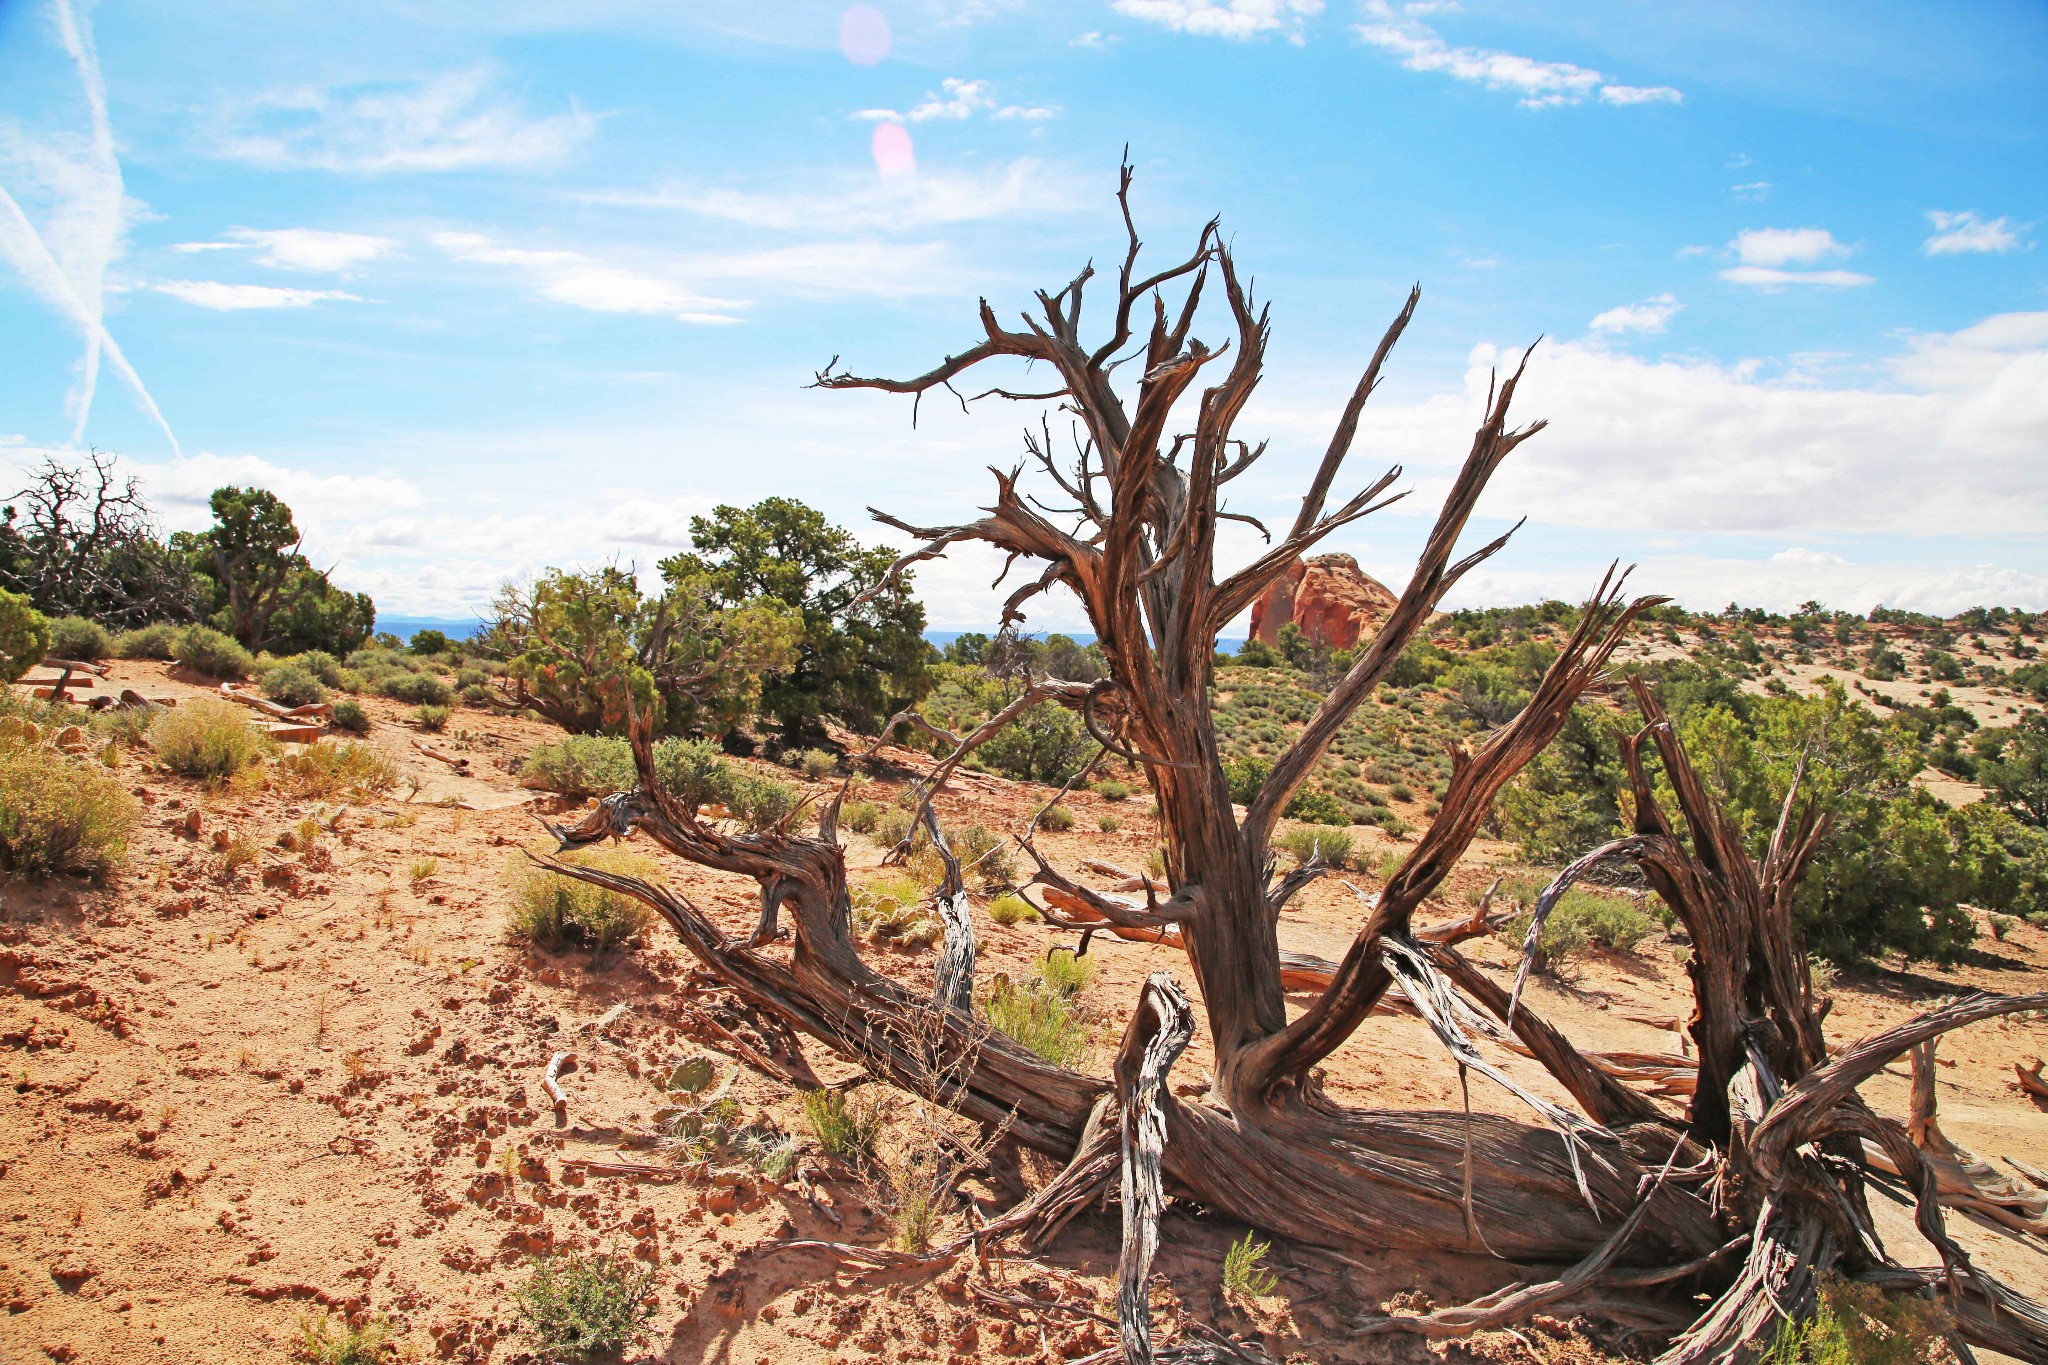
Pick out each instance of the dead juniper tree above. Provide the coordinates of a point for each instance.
(1749, 1196)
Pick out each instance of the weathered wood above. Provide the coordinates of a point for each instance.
(1160, 1030)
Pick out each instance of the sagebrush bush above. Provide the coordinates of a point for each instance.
(332, 1341)
(1860, 1324)
(349, 715)
(557, 912)
(1065, 971)
(692, 771)
(1058, 819)
(1108, 823)
(433, 718)
(1335, 845)
(207, 739)
(1113, 790)
(1042, 1013)
(58, 813)
(1011, 908)
(1244, 1272)
(1581, 920)
(291, 683)
(861, 816)
(24, 635)
(420, 689)
(330, 767)
(892, 828)
(326, 668)
(159, 641)
(577, 1306)
(75, 637)
(580, 765)
(1318, 808)
(816, 764)
(205, 650)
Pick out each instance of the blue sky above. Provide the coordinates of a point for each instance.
(484, 288)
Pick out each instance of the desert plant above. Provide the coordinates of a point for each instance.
(431, 718)
(1244, 1272)
(1108, 823)
(816, 764)
(1011, 908)
(205, 650)
(291, 683)
(556, 912)
(2001, 925)
(892, 909)
(1318, 808)
(1111, 790)
(1065, 971)
(207, 739)
(849, 1129)
(159, 641)
(24, 635)
(1040, 1016)
(421, 689)
(1332, 845)
(893, 827)
(579, 1305)
(862, 816)
(76, 637)
(332, 1341)
(579, 765)
(984, 853)
(349, 715)
(1857, 1324)
(60, 814)
(1058, 819)
(1581, 920)
(328, 766)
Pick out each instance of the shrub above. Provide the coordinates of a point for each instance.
(326, 767)
(60, 814)
(1045, 744)
(1243, 1271)
(557, 912)
(985, 854)
(467, 678)
(892, 828)
(204, 650)
(24, 635)
(291, 683)
(578, 1306)
(325, 667)
(433, 718)
(580, 765)
(207, 739)
(349, 715)
(862, 816)
(1011, 908)
(159, 641)
(1334, 845)
(429, 642)
(421, 689)
(1109, 824)
(75, 637)
(816, 764)
(1065, 971)
(331, 1341)
(1580, 920)
(1113, 791)
(1857, 1324)
(1318, 808)
(1244, 777)
(1058, 819)
(851, 1130)
(2001, 925)
(891, 909)
(1044, 1020)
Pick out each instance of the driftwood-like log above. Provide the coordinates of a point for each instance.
(1160, 1030)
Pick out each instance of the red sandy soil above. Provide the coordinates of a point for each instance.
(318, 1087)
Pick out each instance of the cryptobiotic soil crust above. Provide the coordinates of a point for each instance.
(316, 1086)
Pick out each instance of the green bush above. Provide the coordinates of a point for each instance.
(557, 912)
(1110, 790)
(578, 1306)
(291, 683)
(1065, 971)
(580, 765)
(1108, 823)
(1318, 808)
(159, 641)
(1858, 1324)
(851, 1130)
(1011, 908)
(349, 715)
(1245, 777)
(75, 637)
(816, 764)
(692, 771)
(1058, 819)
(205, 650)
(207, 739)
(984, 853)
(892, 909)
(420, 689)
(1334, 845)
(1244, 1272)
(431, 718)
(332, 1341)
(325, 667)
(862, 816)
(24, 636)
(60, 814)
(327, 767)
(1582, 919)
(1046, 744)
(1044, 1019)
(429, 642)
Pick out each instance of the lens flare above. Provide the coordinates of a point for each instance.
(894, 154)
(863, 35)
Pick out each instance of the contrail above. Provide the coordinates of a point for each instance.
(72, 280)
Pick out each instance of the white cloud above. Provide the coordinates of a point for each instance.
(1948, 437)
(584, 282)
(1237, 20)
(868, 203)
(1957, 233)
(1095, 39)
(1541, 84)
(959, 99)
(1785, 246)
(76, 180)
(1650, 315)
(234, 298)
(455, 121)
(1755, 192)
(1762, 277)
(309, 249)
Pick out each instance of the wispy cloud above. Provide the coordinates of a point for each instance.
(456, 121)
(308, 249)
(65, 263)
(1234, 19)
(1764, 252)
(1763, 277)
(1651, 315)
(235, 298)
(584, 282)
(1754, 192)
(1958, 233)
(866, 203)
(959, 99)
(1541, 84)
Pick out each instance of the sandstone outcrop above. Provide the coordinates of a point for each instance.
(1329, 597)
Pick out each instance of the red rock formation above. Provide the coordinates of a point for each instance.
(1329, 597)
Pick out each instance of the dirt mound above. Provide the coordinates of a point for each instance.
(1329, 597)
